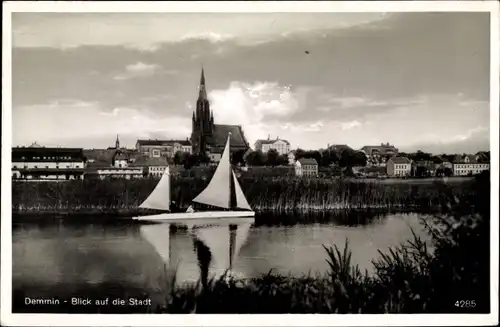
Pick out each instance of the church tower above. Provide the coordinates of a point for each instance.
(202, 121)
(117, 143)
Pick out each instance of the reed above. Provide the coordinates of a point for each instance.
(279, 195)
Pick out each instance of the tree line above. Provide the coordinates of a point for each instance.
(325, 158)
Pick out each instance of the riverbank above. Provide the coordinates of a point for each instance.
(279, 195)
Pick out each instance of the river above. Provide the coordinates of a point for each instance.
(53, 258)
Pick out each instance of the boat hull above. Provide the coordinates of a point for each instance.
(204, 216)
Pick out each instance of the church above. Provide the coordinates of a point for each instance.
(210, 138)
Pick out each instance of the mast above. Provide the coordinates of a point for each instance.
(232, 191)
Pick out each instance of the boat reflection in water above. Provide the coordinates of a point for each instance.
(214, 248)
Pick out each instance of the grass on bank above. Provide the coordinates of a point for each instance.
(278, 195)
(453, 278)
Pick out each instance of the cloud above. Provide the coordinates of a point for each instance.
(148, 31)
(75, 119)
(140, 70)
(255, 105)
(349, 125)
(207, 36)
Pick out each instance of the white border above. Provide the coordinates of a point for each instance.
(9, 319)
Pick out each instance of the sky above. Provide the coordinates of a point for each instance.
(415, 80)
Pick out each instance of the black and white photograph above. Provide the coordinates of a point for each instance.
(260, 159)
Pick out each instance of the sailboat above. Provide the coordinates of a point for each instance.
(223, 191)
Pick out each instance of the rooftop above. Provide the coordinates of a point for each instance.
(307, 161)
(221, 133)
(185, 142)
(400, 160)
(271, 141)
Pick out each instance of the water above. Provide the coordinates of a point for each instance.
(62, 257)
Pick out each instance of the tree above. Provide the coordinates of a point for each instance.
(272, 157)
(352, 158)
(299, 154)
(282, 160)
(328, 157)
(190, 160)
(237, 157)
(179, 157)
(255, 158)
(421, 171)
(421, 156)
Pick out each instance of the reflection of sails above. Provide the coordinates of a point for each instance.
(159, 237)
(224, 243)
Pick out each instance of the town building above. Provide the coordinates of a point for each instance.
(398, 167)
(153, 167)
(163, 148)
(466, 165)
(111, 172)
(378, 155)
(208, 138)
(280, 145)
(291, 158)
(382, 150)
(47, 163)
(306, 167)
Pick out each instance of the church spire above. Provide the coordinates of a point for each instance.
(203, 91)
(117, 143)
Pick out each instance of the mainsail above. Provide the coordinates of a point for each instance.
(218, 191)
(159, 199)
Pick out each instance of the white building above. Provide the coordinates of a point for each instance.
(113, 172)
(398, 167)
(306, 167)
(281, 146)
(41, 163)
(159, 148)
(155, 167)
(469, 165)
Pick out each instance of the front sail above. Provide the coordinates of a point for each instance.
(241, 200)
(218, 191)
(159, 199)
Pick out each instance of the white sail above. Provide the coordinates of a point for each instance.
(241, 200)
(217, 239)
(158, 236)
(218, 191)
(159, 199)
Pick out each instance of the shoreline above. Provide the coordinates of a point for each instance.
(119, 199)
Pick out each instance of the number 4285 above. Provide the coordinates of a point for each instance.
(465, 303)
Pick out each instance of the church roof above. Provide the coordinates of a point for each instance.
(162, 142)
(237, 137)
